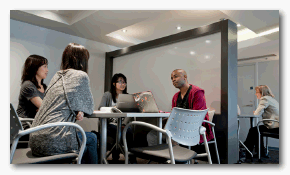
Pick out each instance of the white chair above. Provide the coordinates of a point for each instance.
(211, 115)
(183, 126)
(24, 156)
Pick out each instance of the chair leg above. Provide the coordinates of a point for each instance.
(206, 148)
(13, 148)
(215, 144)
(259, 147)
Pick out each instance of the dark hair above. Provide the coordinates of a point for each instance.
(30, 68)
(113, 88)
(75, 56)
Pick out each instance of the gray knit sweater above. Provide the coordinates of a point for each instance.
(55, 108)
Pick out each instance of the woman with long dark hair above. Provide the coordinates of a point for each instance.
(32, 87)
(110, 99)
(68, 97)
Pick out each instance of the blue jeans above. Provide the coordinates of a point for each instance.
(90, 155)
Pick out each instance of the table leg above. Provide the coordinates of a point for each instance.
(118, 134)
(159, 135)
(103, 140)
(252, 122)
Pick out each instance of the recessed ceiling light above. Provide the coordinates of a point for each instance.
(192, 52)
(124, 30)
(238, 25)
(178, 27)
(208, 41)
(206, 57)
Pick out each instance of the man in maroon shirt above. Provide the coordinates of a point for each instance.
(189, 97)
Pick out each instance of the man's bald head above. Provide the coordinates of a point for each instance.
(179, 78)
(181, 71)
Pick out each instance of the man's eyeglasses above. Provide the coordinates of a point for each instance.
(121, 82)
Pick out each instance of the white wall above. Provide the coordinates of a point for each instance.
(268, 74)
(151, 69)
(27, 39)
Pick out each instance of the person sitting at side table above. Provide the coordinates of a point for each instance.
(269, 109)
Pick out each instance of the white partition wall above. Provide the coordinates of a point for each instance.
(151, 69)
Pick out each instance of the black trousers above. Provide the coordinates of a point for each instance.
(253, 138)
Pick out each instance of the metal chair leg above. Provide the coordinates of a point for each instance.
(216, 149)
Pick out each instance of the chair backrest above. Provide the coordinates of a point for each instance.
(15, 124)
(184, 125)
(210, 115)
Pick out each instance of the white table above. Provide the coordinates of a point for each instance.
(103, 131)
(251, 117)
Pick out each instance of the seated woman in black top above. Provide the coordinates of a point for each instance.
(32, 87)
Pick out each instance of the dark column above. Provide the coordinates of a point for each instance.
(227, 123)
(108, 72)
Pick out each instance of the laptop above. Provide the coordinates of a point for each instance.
(146, 102)
(126, 103)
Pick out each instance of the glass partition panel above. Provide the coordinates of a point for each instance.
(150, 70)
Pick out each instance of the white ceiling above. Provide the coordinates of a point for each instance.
(106, 26)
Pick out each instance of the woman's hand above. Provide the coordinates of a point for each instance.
(80, 116)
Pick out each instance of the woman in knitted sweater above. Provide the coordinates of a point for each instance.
(67, 98)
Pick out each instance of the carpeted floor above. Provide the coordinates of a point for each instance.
(273, 159)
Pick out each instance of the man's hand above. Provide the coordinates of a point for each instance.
(80, 116)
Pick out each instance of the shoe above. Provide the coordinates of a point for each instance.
(242, 154)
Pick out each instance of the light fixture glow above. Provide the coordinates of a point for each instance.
(124, 30)
(269, 32)
(206, 57)
(192, 53)
(208, 41)
(238, 25)
(244, 31)
(120, 38)
(178, 27)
